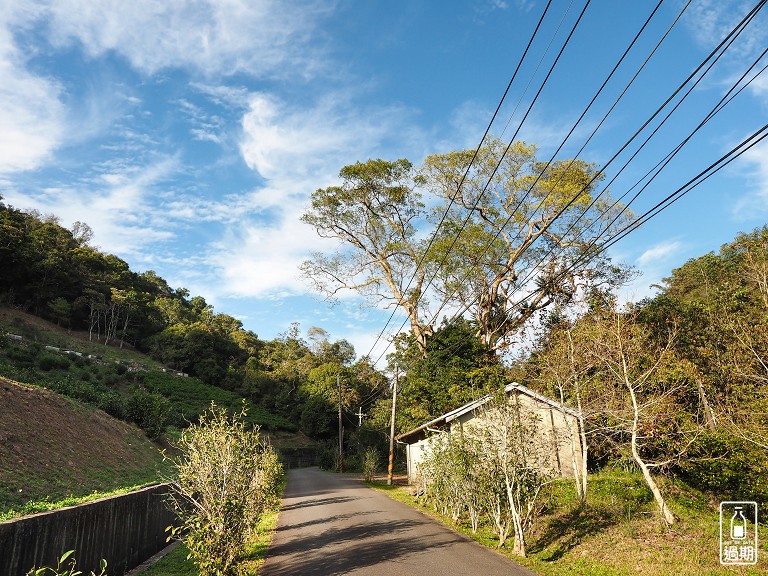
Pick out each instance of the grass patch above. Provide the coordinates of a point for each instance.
(175, 563)
(45, 504)
(618, 532)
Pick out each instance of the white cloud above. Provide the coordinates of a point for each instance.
(313, 141)
(755, 203)
(216, 37)
(653, 264)
(31, 125)
(255, 259)
(709, 21)
(659, 253)
(116, 205)
(296, 151)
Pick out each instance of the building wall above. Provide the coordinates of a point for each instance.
(556, 436)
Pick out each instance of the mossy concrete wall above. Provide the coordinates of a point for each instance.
(125, 530)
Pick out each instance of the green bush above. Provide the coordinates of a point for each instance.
(149, 411)
(327, 455)
(227, 478)
(77, 389)
(50, 362)
(113, 404)
(370, 464)
(728, 467)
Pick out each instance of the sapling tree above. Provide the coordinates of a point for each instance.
(493, 468)
(510, 439)
(637, 397)
(227, 477)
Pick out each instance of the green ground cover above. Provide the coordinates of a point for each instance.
(618, 532)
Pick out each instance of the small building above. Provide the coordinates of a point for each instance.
(558, 429)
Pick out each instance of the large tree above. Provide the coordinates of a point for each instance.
(375, 213)
(519, 234)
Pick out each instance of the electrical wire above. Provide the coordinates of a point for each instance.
(541, 88)
(727, 42)
(477, 150)
(656, 170)
(581, 117)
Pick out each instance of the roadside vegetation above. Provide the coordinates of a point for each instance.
(673, 390)
(228, 482)
(618, 532)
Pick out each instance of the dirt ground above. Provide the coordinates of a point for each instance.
(52, 446)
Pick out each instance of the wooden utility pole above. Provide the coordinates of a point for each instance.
(341, 429)
(390, 470)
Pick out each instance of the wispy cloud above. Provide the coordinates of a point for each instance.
(116, 204)
(31, 114)
(660, 253)
(296, 150)
(754, 204)
(316, 140)
(709, 21)
(215, 37)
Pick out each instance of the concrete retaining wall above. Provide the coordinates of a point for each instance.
(125, 530)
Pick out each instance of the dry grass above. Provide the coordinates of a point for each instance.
(618, 533)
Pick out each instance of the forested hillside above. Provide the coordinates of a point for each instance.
(152, 354)
(675, 385)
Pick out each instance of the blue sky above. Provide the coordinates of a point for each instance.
(189, 135)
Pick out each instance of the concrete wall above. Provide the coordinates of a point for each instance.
(125, 530)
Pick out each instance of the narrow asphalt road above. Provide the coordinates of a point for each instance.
(334, 524)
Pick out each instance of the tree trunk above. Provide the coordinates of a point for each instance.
(664, 510)
(709, 416)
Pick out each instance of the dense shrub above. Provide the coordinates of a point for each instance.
(149, 411)
(50, 362)
(113, 404)
(227, 478)
(370, 464)
(728, 467)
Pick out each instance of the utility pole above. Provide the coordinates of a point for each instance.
(341, 429)
(360, 416)
(390, 470)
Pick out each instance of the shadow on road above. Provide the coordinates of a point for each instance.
(317, 502)
(373, 545)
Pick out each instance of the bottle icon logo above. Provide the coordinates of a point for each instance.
(738, 524)
(738, 533)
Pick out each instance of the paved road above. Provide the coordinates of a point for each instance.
(334, 524)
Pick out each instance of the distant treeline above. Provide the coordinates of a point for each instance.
(54, 273)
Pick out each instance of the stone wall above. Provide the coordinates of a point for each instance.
(125, 530)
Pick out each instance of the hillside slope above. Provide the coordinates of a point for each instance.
(52, 446)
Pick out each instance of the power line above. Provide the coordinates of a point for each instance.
(587, 256)
(581, 117)
(723, 102)
(727, 40)
(541, 88)
(477, 150)
(594, 98)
